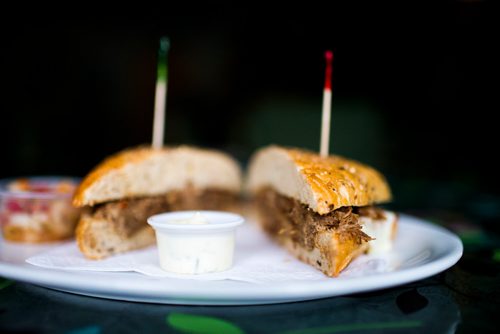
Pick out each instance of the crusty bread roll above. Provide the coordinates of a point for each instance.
(316, 207)
(145, 172)
(323, 184)
(128, 187)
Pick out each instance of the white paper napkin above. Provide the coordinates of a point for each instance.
(257, 260)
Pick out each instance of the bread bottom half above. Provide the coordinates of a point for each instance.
(121, 226)
(327, 242)
(330, 257)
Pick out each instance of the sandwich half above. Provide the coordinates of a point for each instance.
(321, 209)
(125, 189)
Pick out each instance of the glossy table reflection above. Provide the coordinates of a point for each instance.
(28, 308)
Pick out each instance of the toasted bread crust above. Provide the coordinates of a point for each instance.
(145, 171)
(97, 239)
(323, 183)
(113, 162)
(331, 257)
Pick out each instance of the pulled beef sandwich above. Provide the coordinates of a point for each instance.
(125, 189)
(321, 209)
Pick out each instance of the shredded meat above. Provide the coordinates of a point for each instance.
(130, 215)
(285, 216)
(371, 212)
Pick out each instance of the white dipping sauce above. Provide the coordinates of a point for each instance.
(196, 254)
(195, 243)
(196, 219)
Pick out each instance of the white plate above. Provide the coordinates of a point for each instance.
(422, 250)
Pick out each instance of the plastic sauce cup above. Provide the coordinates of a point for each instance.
(187, 245)
(38, 208)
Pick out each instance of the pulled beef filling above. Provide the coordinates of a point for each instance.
(286, 216)
(370, 212)
(130, 215)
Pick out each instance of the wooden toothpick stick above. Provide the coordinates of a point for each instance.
(327, 106)
(160, 94)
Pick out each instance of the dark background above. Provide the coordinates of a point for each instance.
(413, 89)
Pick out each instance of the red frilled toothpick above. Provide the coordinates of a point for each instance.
(327, 106)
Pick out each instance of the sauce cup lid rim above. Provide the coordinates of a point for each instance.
(217, 220)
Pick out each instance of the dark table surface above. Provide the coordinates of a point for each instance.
(465, 298)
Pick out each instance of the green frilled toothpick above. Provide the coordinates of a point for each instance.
(160, 93)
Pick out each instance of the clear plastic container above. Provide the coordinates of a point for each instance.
(195, 242)
(37, 209)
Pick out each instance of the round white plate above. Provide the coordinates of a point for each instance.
(421, 249)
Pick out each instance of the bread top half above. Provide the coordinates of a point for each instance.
(145, 171)
(323, 184)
